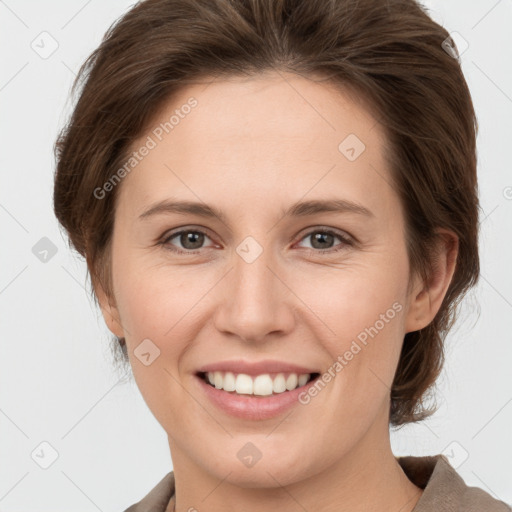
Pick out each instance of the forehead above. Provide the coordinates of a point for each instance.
(269, 108)
(276, 135)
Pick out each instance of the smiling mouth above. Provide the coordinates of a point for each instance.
(263, 385)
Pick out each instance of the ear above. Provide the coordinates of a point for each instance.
(427, 297)
(109, 311)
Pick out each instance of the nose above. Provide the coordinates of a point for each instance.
(256, 301)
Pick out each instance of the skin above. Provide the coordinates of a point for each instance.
(251, 148)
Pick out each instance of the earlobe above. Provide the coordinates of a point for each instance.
(109, 311)
(427, 297)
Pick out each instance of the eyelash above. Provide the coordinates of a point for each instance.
(165, 242)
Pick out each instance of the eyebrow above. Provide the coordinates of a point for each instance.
(299, 209)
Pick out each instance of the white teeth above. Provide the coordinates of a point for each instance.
(229, 382)
(303, 379)
(279, 384)
(261, 385)
(217, 380)
(291, 381)
(243, 384)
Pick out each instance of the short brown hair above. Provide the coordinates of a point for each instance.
(390, 52)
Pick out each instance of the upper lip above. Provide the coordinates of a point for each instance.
(255, 368)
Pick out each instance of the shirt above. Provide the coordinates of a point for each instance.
(443, 489)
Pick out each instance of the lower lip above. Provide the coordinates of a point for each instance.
(252, 407)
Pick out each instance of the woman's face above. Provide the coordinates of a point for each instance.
(268, 280)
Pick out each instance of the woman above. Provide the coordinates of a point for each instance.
(277, 201)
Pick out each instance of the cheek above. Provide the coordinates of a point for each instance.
(347, 300)
(157, 307)
(152, 298)
(360, 314)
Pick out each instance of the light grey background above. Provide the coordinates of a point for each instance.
(57, 383)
